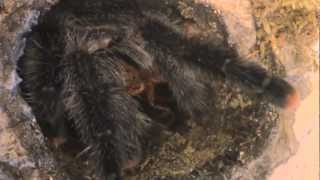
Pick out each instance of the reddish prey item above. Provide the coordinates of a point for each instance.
(131, 164)
(292, 101)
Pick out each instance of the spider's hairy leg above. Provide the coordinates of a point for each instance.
(279, 91)
(40, 87)
(106, 117)
(167, 37)
(192, 95)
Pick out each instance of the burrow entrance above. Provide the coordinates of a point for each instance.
(185, 148)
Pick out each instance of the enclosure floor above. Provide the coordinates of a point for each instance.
(305, 164)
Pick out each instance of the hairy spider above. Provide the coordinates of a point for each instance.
(87, 60)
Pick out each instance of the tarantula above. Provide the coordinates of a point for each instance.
(86, 61)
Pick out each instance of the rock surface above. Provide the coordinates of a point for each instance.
(23, 152)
